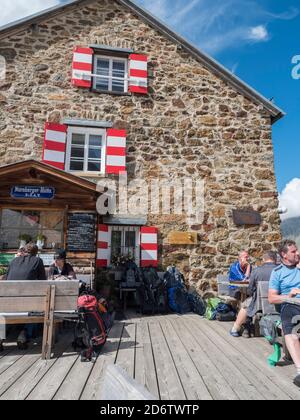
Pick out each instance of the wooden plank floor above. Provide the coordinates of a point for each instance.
(174, 357)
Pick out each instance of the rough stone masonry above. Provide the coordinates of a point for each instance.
(191, 123)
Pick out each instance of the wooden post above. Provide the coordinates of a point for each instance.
(46, 316)
(48, 324)
(51, 323)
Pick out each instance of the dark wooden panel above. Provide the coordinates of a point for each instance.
(246, 217)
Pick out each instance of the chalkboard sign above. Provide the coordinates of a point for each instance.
(81, 234)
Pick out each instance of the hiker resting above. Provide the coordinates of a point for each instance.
(285, 282)
(249, 308)
(239, 271)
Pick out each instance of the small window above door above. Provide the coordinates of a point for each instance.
(112, 74)
(86, 150)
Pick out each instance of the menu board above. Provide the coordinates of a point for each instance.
(81, 236)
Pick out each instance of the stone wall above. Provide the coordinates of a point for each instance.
(191, 123)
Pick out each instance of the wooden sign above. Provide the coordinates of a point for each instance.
(182, 238)
(246, 217)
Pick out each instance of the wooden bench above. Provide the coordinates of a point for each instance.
(20, 298)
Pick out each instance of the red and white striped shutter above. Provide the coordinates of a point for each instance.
(149, 247)
(54, 149)
(115, 151)
(82, 67)
(102, 246)
(138, 74)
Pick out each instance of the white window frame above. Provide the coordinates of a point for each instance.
(123, 229)
(111, 59)
(87, 131)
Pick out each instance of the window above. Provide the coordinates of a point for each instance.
(113, 74)
(15, 224)
(124, 241)
(85, 150)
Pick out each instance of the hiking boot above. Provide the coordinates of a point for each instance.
(234, 334)
(297, 381)
(22, 340)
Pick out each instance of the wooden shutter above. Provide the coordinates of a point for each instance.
(102, 246)
(138, 74)
(115, 151)
(149, 247)
(82, 67)
(54, 149)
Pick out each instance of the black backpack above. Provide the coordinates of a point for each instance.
(197, 304)
(152, 293)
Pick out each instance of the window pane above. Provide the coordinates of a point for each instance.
(95, 140)
(103, 70)
(119, 69)
(102, 84)
(129, 239)
(94, 153)
(103, 67)
(11, 218)
(31, 219)
(77, 152)
(94, 166)
(76, 165)
(32, 223)
(78, 139)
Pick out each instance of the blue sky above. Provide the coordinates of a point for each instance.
(256, 39)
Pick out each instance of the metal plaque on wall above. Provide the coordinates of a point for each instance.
(246, 217)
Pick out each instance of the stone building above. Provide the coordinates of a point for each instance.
(95, 87)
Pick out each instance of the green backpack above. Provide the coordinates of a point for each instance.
(212, 304)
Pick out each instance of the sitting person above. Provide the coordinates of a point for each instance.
(285, 282)
(60, 266)
(239, 271)
(26, 266)
(249, 307)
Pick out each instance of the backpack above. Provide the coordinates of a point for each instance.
(197, 304)
(173, 277)
(269, 329)
(90, 331)
(130, 276)
(178, 299)
(152, 293)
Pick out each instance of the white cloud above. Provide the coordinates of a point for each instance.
(12, 10)
(259, 33)
(220, 24)
(290, 199)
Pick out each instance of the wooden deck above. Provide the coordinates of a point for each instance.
(175, 357)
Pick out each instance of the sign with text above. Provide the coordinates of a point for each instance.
(48, 259)
(246, 217)
(32, 191)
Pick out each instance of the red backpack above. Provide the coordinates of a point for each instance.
(90, 332)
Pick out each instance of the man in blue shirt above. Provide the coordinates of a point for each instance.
(239, 271)
(285, 282)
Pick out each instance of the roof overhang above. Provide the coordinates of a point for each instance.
(207, 61)
(34, 168)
